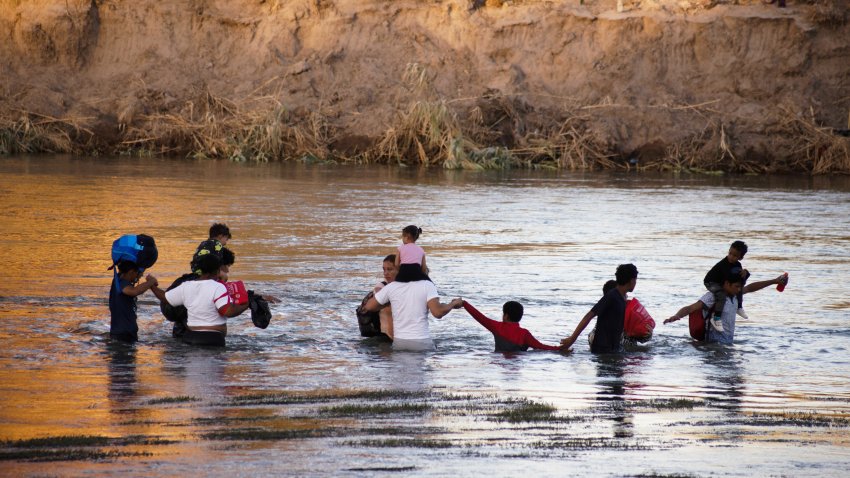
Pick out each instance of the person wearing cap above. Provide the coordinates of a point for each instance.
(611, 312)
(122, 300)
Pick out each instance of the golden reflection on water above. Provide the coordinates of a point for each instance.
(314, 236)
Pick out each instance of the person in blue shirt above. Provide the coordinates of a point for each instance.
(122, 300)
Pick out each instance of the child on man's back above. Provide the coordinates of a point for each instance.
(731, 264)
(410, 259)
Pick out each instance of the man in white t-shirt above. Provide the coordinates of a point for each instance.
(206, 299)
(411, 302)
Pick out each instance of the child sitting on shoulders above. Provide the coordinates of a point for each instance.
(509, 336)
(122, 300)
(731, 264)
(410, 259)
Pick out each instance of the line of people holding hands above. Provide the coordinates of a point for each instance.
(200, 302)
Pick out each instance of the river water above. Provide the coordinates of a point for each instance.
(314, 235)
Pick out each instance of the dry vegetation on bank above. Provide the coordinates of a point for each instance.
(507, 125)
(491, 131)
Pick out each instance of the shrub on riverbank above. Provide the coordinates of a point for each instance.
(491, 131)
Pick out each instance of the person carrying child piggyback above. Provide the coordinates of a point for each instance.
(714, 279)
(410, 259)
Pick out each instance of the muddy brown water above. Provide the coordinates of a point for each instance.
(777, 402)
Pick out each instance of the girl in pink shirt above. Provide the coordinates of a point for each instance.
(410, 259)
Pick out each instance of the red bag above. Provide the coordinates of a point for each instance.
(638, 323)
(237, 292)
(696, 322)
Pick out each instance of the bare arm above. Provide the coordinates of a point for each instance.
(139, 289)
(754, 286)
(160, 294)
(232, 310)
(685, 311)
(424, 267)
(372, 305)
(569, 341)
(439, 310)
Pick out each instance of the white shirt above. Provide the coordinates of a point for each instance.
(410, 307)
(202, 299)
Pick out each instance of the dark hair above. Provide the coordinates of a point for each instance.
(625, 273)
(734, 277)
(209, 264)
(513, 309)
(219, 229)
(390, 258)
(126, 266)
(741, 247)
(608, 286)
(412, 231)
(227, 257)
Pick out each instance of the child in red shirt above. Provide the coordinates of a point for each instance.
(510, 337)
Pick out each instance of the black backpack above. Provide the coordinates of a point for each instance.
(261, 314)
(369, 322)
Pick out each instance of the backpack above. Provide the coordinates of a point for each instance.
(369, 322)
(177, 313)
(698, 323)
(137, 248)
(261, 314)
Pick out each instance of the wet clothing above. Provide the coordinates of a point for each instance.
(411, 273)
(610, 316)
(210, 246)
(408, 345)
(509, 336)
(410, 307)
(203, 299)
(727, 319)
(122, 310)
(203, 337)
(714, 279)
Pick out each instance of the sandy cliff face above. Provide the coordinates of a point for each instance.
(639, 84)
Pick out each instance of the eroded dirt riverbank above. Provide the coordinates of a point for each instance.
(736, 86)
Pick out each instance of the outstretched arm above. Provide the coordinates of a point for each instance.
(139, 289)
(482, 319)
(439, 310)
(372, 305)
(536, 344)
(160, 294)
(754, 286)
(685, 311)
(569, 341)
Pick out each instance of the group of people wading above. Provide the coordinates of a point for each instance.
(397, 310)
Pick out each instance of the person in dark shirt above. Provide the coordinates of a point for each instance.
(122, 300)
(731, 264)
(509, 336)
(611, 313)
(218, 238)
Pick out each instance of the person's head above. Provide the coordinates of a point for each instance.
(390, 270)
(228, 258)
(626, 275)
(128, 270)
(608, 286)
(732, 283)
(512, 311)
(210, 265)
(220, 232)
(410, 233)
(737, 251)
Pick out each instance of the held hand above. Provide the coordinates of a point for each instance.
(151, 280)
(672, 319)
(782, 279)
(457, 303)
(564, 349)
